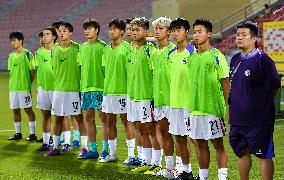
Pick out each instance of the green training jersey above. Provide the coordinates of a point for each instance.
(140, 73)
(20, 66)
(179, 87)
(45, 76)
(206, 93)
(92, 71)
(161, 75)
(66, 68)
(115, 63)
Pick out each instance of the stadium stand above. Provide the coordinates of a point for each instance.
(21, 15)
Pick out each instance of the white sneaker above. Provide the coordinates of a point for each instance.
(127, 160)
(109, 158)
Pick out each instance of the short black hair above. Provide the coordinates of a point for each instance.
(40, 34)
(67, 25)
(56, 24)
(204, 22)
(180, 22)
(17, 35)
(141, 21)
(251, 26)
(92, 23)
(53, 32)
(117, 23)
(128, 20)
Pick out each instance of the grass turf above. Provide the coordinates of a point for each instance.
(20, 160)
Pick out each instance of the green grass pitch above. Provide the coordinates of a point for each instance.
(20, 160)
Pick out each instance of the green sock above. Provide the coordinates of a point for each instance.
(105, 145)
(76, 135)
(93, 146)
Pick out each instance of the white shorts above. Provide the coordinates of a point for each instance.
(66, 103)
(179, 119)
(161, 112)
(207, 127)
(19, 100)
(139, 111)
(114, 104)
(44, 99)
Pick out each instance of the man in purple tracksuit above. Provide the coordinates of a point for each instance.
(254, 83)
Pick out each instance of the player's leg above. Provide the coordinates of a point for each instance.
(32, 124)
(17, 124)
(65, 137)
(146, 148)
(56, 133)
(138, 141)
(156, 149)
(244, 164)
(267, 168)
(46, 126)
(103, 118)
(168, 143)
(92, 134)
(130, 137)
(184, 153)
(159, 139)
(203, 158)
(221, 158)
(83, 133)
(111, 136)
(76, 134)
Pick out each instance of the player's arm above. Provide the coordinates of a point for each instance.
(223, 74)
(271, 77)
(32, 67)
(226, 88)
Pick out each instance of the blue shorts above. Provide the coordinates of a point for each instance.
(91, 100)
(258, 140)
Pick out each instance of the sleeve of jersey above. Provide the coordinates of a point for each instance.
(271, 77)
(32, 62)
(36, 59)
(9, 62)
(79, 59)
(222, 68)
(151, 62)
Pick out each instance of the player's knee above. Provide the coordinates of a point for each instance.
(16, 111)
(181, 140)
(151, 129)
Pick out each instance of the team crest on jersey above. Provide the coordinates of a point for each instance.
(247, 73)
(184, 61)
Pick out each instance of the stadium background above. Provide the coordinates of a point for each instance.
(21, 161)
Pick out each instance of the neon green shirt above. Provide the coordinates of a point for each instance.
(161, 76)
(115, 63)
(139, 73)
(92, 71)
(206, 93)
(179, 88)
(45, 76)
(66, 68)
(20, 66)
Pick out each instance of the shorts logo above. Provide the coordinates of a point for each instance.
(259, 152)
(247, 73)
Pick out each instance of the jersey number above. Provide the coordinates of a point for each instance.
(27, 99)
(75, 105)
(145, 113)
(214, 127)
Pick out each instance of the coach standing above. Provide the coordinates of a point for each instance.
(254, 83)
